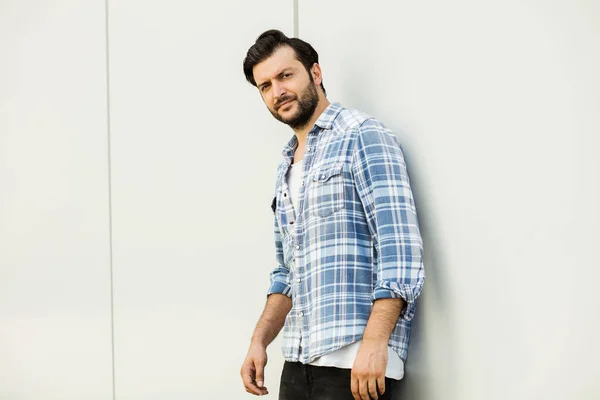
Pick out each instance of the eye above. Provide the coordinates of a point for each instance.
(287, 74)
(264, 87)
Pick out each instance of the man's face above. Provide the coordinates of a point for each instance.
(287, 89)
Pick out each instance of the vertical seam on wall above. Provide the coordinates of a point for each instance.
(110, 239)
(296, 18)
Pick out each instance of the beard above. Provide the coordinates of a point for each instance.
(307, 104)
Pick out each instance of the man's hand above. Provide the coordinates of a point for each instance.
(368, 372)
(253, 370)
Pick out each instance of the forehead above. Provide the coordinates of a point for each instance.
(282, 58)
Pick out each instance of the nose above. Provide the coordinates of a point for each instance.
(278, 91)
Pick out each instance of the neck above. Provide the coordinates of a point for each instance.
(301, 133)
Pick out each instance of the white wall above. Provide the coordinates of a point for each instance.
(193, 153)
(55, 327)
(194, 158)
(496, 105)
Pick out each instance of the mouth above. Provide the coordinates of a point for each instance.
(285, 103)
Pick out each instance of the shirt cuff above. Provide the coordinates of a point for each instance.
(387, 289)
(280, 288)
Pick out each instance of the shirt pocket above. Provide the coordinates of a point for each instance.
(327, 190)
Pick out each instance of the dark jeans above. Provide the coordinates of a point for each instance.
(308, 382)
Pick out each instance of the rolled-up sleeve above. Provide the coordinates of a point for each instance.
(279, 282)
(382, 183)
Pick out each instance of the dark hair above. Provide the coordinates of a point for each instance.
(271, 40)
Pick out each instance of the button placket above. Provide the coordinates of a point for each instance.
(296, 281)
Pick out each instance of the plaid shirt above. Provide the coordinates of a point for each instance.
(355, 238)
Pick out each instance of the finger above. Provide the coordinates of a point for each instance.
(260, 374)
(354, 387)
(372, 387)
(251, 392)
(363, 389)
(248, 378)
(381, 384)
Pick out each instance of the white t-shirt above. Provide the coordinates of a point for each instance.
(344, 357)
(294, 177)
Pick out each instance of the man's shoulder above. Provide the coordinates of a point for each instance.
(350, 119)
(356, 123)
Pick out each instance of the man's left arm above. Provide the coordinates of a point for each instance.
(383, 186)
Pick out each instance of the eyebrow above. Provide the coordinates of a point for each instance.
(279, 74)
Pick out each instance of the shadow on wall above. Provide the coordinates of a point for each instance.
(432, 348)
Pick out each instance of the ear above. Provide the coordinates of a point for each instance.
(316, 74)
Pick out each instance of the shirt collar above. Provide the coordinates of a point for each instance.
(329, 115)
(290, 147)
(324, 121)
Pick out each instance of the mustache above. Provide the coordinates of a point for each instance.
(283, 100)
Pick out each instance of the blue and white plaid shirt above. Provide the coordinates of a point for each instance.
(355, 238)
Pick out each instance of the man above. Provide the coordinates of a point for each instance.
(347, 239)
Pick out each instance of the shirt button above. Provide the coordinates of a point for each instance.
(302, 183)
(307, 149)
(297, 247)
(298, 280)
(300, 314)
(322, 176)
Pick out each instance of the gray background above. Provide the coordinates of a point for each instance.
(137, 169)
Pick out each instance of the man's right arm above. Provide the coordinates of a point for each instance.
(279, 304)
(267, 328)
(272, 319)
(279, 297)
